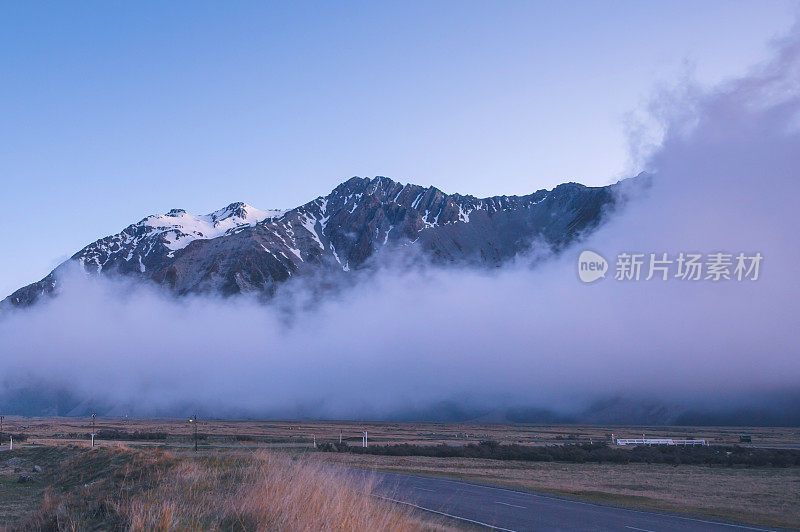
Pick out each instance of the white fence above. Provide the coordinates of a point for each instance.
(658, 441)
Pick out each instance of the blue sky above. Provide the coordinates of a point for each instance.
(113, 111)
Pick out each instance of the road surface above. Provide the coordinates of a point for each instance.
(510, 510)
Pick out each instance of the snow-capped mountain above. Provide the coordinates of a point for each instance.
(243, 249)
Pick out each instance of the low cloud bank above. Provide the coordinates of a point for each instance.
(432, 341)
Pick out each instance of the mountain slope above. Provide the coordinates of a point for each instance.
(242, 249)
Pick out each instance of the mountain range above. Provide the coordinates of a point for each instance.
(241, 249)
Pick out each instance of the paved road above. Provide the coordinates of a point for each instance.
(508, 510)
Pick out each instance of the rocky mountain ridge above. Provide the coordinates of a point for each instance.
(240, 249)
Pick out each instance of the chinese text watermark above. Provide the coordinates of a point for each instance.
(662, 266)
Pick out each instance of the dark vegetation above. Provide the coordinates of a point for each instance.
(113, 434)
(598, 452)
(139, 435)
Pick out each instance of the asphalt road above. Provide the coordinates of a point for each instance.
(509, 510)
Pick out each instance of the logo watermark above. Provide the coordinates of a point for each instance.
(684, 266)
(591, 266)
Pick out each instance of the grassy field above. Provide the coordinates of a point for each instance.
(73, 487)
(299, 433)
(144, 475)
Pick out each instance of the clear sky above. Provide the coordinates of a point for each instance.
(111, 111)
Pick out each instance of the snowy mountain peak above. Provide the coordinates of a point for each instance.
(243, 212)
(179, 228)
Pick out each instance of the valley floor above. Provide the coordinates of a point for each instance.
(144, 475)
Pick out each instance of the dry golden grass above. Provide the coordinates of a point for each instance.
(267, 491)
(142, 490)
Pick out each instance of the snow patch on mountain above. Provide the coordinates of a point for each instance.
(180, 228)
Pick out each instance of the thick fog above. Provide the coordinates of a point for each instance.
(400, 341)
